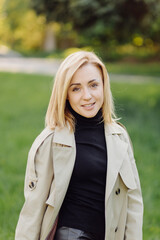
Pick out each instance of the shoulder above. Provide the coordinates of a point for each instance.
(44, 138)
(125, 133)
(122, 128)
(118, 129)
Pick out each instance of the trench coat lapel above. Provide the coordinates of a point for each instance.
(64, 137)
(64, 154)
(116, 150)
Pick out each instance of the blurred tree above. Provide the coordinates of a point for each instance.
(105, 20)
(21, 28)
(102, 24)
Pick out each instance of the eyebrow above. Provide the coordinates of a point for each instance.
(77, 84)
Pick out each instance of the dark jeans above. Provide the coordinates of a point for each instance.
(66, 233)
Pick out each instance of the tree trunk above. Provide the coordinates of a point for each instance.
(49, 40)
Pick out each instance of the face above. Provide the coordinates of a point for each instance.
(85, 92)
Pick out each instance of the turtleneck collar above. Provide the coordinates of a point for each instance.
(83, 121)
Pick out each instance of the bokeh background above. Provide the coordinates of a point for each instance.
(114, 29)
(35, 35)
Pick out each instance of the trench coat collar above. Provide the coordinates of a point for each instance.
(113, 128)
(65, 137)
(116, 150)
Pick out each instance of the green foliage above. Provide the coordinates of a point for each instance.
(120, 54)
(103, 25)
(105, 20)
(24, 100)
(129, 52)
(20, 27)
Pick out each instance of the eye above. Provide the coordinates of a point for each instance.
(94, 85)
(75, 89)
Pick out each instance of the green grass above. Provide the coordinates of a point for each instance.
(23, 104)
(144, 69)
(139, 106)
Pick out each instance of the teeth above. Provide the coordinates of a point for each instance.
(88, 105)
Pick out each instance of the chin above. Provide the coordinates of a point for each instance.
(89, 115)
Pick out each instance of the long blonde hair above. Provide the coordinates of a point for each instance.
(57, 112)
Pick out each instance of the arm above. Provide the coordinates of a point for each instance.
(134, 223)
(36, 190)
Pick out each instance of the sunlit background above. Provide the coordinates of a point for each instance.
(114, 29)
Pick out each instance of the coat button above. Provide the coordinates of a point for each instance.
(118, 191)
(116, 229)
(31, 185)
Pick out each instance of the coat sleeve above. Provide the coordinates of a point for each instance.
(134, 222)
(38, 179)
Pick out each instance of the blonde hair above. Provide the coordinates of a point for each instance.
(57, 113)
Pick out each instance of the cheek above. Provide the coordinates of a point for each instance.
(101, 98)
(72, 99)
(100, 94)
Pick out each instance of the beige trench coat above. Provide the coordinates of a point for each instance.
(50, 164)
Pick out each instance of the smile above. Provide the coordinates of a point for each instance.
(88, 105)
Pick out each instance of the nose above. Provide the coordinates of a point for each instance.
(86, 94)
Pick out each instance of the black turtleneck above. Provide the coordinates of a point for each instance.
(83, 206)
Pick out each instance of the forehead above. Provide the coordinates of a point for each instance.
(87, 72)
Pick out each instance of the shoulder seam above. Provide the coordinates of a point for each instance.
(126, 134)
(119, 123)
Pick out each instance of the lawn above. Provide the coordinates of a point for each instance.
(23, 104)
(143, 69)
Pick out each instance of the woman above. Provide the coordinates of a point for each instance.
(81, 178)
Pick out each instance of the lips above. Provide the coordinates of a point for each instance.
(88, 105)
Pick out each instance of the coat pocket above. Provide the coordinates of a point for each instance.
(127, 174)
